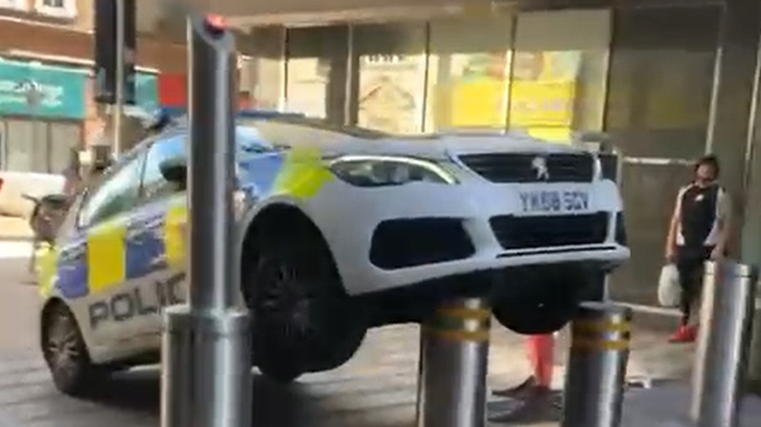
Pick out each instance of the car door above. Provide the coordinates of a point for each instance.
(155, 238)
(92, 264)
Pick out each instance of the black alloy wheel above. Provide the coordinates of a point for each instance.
(302, 319)
(66, 354)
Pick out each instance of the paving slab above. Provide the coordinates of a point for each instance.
(668, 406)
(375, 389)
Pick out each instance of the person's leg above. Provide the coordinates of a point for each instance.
(697, 291)
(540, 352)
(685, 299)
(686, 265)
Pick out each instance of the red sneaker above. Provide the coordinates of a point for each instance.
(682, 335)
(692, 334)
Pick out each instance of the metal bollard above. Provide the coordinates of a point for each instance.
(206, 363)
(454, 352)
(594, 383)
(726, 318)
(754, 359)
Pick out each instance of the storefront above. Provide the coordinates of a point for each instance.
(41, 112)
(648, 74)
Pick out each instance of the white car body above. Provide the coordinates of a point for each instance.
(118, 311)
(474, 200)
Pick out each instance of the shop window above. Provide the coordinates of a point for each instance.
(469, 73)
(661, 79)
(559, 73)
(262, 69)
(63, 138)
(317, 71)
(39, 146)
(57, 8)
(391, 64)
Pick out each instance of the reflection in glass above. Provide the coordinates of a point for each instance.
(661, 78)
(468, 74)
(262, 68)
(391, 76)
(559, 73)
(317, 63)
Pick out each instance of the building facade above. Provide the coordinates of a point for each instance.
(668, 81)
(46, 107)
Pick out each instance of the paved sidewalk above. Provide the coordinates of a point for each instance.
(668, 406)
(376, 389)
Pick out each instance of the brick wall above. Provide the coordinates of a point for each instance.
(51, 40)
(68, 42)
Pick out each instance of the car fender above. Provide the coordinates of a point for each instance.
(46, 260)
(249, 216)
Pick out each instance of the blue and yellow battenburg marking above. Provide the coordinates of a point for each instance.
(303, 173)
(112, 257)
(106, 256)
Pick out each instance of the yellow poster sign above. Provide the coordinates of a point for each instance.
(542, 103)
(481, 102)
(532, 103)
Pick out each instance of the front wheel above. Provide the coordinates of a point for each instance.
(66, 354)
(302, 319)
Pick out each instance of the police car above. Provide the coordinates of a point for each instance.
(340, 229)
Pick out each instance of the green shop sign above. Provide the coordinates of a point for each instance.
(34, 89)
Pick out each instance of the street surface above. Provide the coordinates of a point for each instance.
(376, 389)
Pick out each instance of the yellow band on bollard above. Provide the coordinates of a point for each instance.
(464, 313)
(455, 335)
(599, 344)
(600, 326)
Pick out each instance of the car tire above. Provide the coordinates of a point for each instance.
(302, 319)
(535, 318)
(66, 354)
(549, 302)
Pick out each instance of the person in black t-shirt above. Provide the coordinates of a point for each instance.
(699, 231)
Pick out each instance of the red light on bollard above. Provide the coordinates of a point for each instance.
(216, 23)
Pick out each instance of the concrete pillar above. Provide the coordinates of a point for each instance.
(733, 136)
(734, 78)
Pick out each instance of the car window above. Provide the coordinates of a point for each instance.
(116, 194)
(154, 183)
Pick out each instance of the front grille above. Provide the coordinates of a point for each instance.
(401, 243)
(509, 168)
(514, 232)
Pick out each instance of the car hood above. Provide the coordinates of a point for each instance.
(445, 147)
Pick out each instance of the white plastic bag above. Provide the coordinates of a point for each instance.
(669, 289)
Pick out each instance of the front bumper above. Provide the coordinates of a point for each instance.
(454, 232)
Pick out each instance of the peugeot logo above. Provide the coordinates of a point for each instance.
(539, 164)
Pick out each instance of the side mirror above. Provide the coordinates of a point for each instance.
(175, 170)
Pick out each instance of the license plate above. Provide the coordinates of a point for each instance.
(554, 201)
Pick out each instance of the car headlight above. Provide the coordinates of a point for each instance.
(376, 171)
(597, 174)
